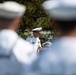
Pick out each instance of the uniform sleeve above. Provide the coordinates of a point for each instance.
(39, 43)
(28, 40)
(24, 52)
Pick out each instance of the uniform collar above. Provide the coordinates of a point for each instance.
(8, 31)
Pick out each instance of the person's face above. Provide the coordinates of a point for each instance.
(36, 34)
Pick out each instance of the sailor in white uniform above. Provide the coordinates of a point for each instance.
(60, 58)
(34, 39)
(15, 52)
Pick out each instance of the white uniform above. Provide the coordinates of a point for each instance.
(59, 59)
(14, 53)
(35, 41)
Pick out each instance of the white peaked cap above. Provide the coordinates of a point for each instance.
(11, 9)
(37, 29)
(61, 9)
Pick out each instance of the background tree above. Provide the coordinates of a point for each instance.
(34, 17)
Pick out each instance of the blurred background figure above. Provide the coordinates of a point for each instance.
(60, 58)
(15, 52)
(46, 44)
(34, 40)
